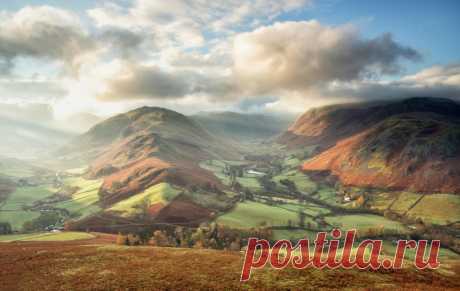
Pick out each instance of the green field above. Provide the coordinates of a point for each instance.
(292, 162)
(12, 210)
(303, 182)
(404, 201)
(250, 214)
(293, 234)
(382, 200)
(160, 193)
(328, 195)
(308, 208)
(46, 236)
(437, 208)
(364, 222)
(217, 167)
(84, 201)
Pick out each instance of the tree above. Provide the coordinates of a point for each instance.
(160, 239)
(143, 210)
(133, 240)
(5, 228)
(45, 220)
(237, 187)
(290, 185)
(235, 246)
(302, 217)
(248, 194)
(122, 240)
(360, 201)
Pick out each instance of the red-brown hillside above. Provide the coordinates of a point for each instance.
(143, 147)
(418, 152)
(325, 126)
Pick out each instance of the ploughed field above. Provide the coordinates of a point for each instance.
(98, 264)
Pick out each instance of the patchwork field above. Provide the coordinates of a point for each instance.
(161, 193)
(84, 201)
(363, 222)
(13, 210)
(250, 214)
(303, 183)
(217, 167)
(438, 208)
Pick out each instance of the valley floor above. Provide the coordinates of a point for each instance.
(98, 264)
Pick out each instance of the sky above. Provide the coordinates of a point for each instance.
(105, 57)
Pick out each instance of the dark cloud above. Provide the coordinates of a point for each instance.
(437, 81)
(142, 82)
(151, 82)
(125, 42)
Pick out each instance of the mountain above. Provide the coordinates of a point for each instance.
(326, 125)
(81, 122)
(29, 139)
(240, 126)
(146, 146)
(412, 144)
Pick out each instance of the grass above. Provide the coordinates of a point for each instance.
(293, 234)
(438, 208)
(250, 214)
(404, 201)
(46, 236)
(364, 222)
(84, 201)
(328, 195)
(12, 210)
(160, 193)
(303, 182)
(383, 200)
(217, 167)
(292, 162)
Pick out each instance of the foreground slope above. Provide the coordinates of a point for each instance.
(95, 265)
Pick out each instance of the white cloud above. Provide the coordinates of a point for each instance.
(300, 55)
(184, 23)
(43, 32)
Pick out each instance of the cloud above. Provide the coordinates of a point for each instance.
(142, 82)
(135, 81)
(185, 23)
(299, 55)
(30, 89)
(123, 42)
(436, 81)
(42, 32)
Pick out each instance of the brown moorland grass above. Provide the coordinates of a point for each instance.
(98, 264)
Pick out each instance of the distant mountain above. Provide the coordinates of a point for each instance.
(28, 138)
(144, 147)
(412, 144)
(241, 126)
(82, 122)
